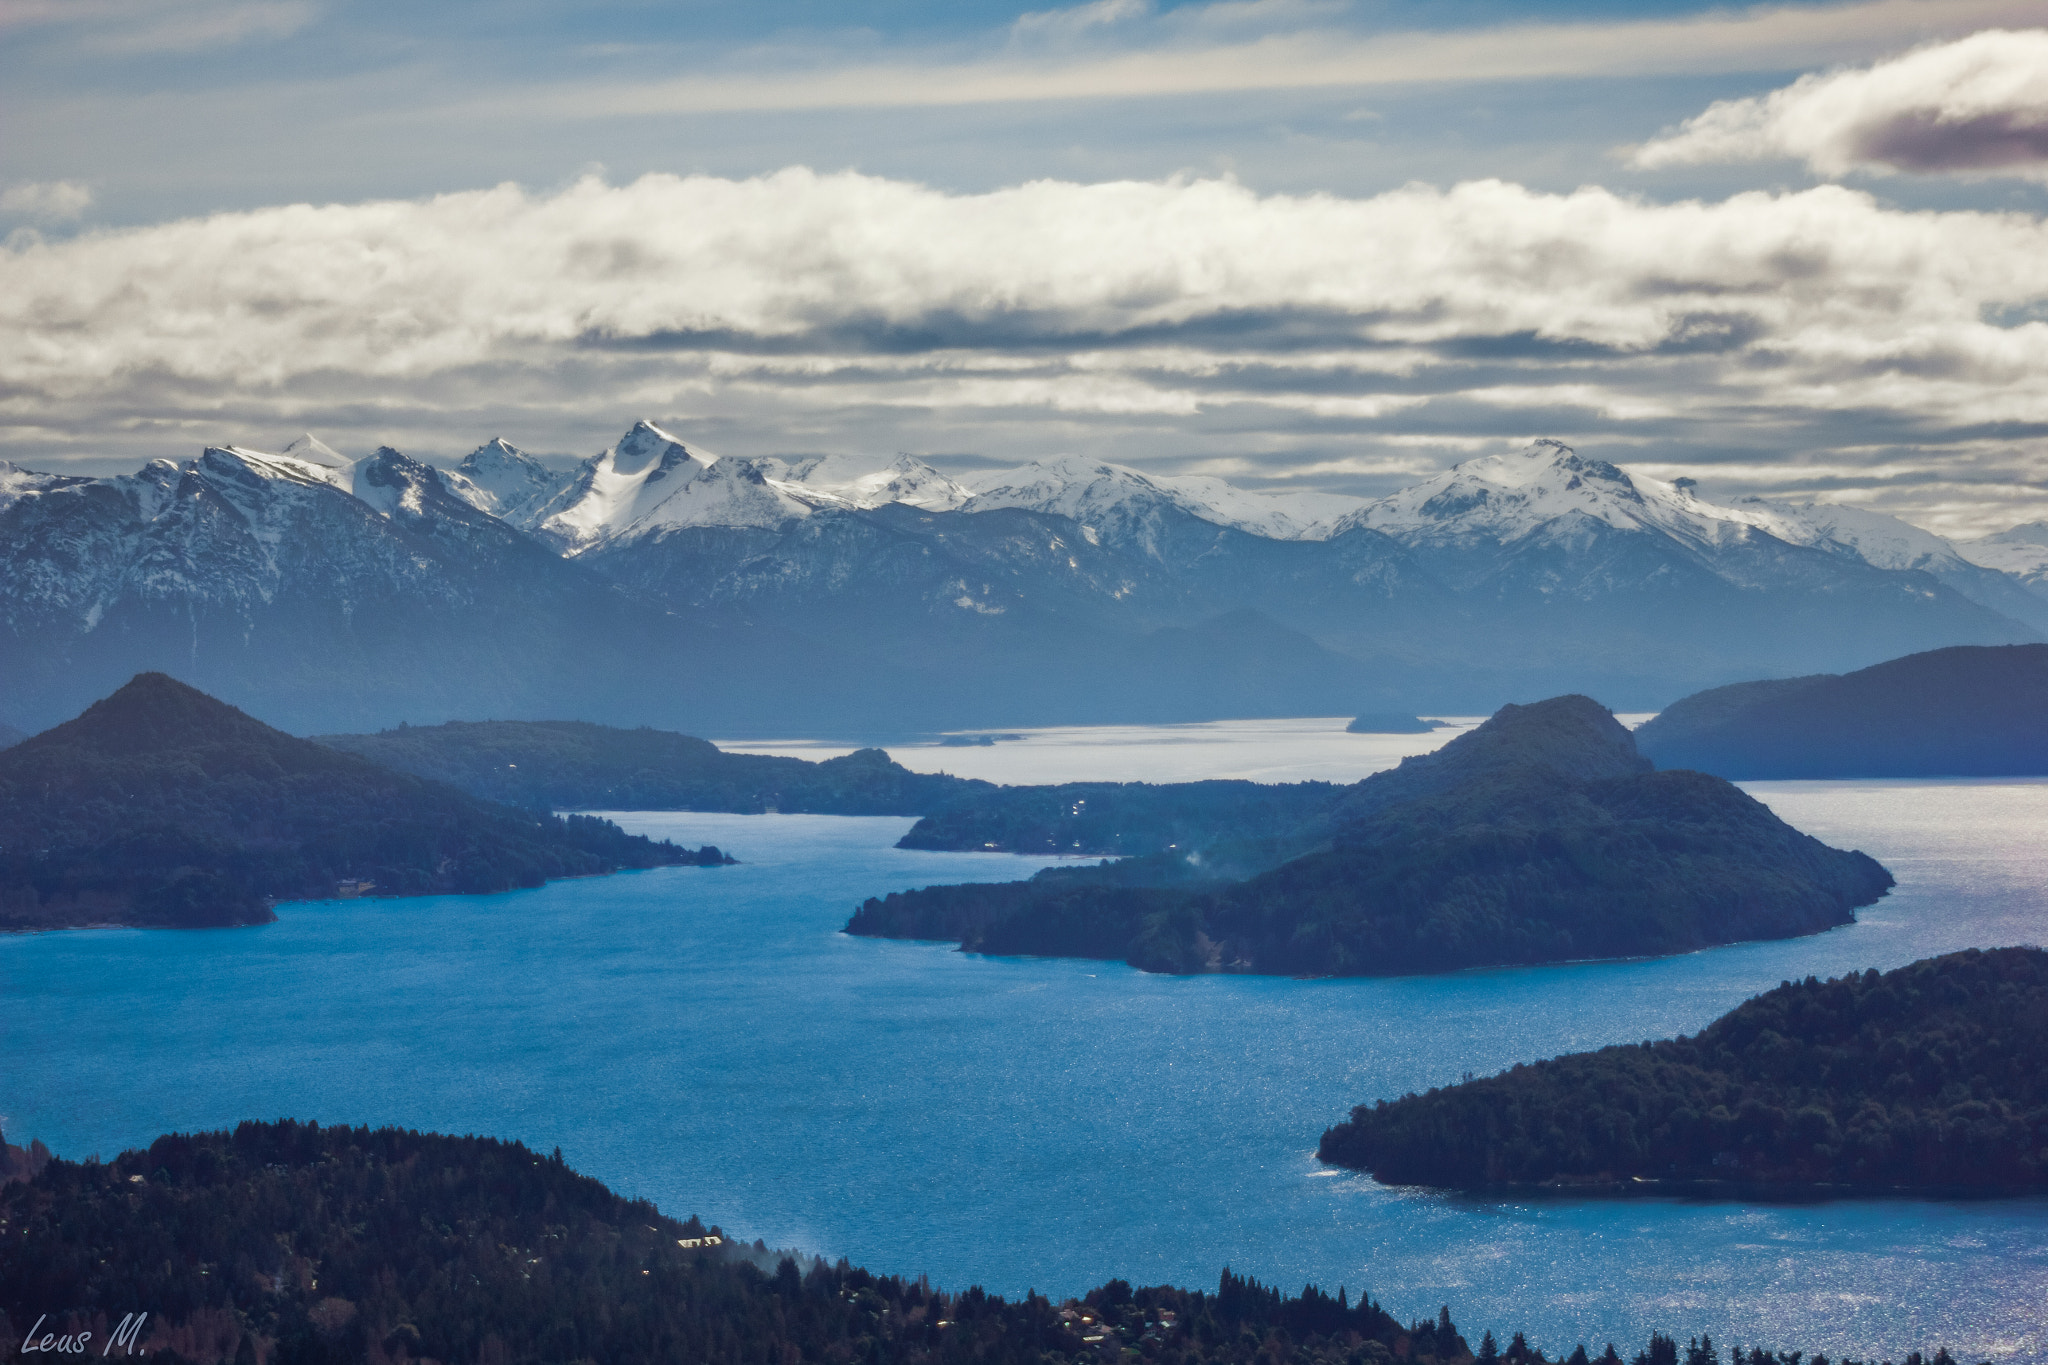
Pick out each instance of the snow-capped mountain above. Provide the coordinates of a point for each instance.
(262, 579)
(1125, 504)
(503, 480)
(882, 592)
(650, 483)
(851, 481)
(2021, 552)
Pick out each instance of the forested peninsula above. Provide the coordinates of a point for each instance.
(1970, 711)
(570, 765)
(161, 806)
(573, 765)
(1541, 836)
(291, 1244)
(1929, 1078)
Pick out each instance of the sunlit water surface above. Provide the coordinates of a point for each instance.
(706, 1037)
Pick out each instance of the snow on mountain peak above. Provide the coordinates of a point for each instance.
(645, 446)
(313, 450)
(1877, 539)
(503, 480)
(650, 483)
(1506, 497)
(1106, 496)
(289, 468)
(862, 482)
(2021, 551)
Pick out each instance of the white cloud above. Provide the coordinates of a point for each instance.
(1123, 48)
(45, 201)
(1066, 24)
(1978, 105)
(802, 310)
(144, 26)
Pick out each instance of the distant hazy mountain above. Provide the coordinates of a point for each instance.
(1964, 712)
(657, 584)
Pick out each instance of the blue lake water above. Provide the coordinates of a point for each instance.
(706, 1037)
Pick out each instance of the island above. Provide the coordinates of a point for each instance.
(1969, 711)
(161, 806)
(1540, 836)
(293, 1244)
(1932, 1078)
(1391, 723)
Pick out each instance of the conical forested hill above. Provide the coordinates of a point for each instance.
(163, 806)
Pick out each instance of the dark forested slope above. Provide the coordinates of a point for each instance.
(1541, 836)
(1970, 711)
(1931, 1076)
(292, 1244)
(162, 806)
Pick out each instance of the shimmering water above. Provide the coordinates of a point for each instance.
(705, 1037)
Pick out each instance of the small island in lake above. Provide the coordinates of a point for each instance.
(1969, 711)
(1933, 1077)
(1541, 836)
(1391, 723)
(161, 806)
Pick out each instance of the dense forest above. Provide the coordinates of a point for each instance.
(1541, 836)
(571, 765)
(290, 1244)
(161, 806)
(1970, 711)
(1929, 1077)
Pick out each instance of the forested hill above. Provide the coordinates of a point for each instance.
(1971, 711)
(293, 1244)
(1931, 1077)
(162, 806)
(1542, 836)
(572, 765)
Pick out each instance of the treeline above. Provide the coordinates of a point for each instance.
(572, 765)
(1122, 819)
(1928, 1077)
(290, 1244)
(162, 806)
(1968, 711)
(1538, 837)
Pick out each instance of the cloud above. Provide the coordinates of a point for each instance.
(45, 201)
(1067, 24)
(128, 27)
(1975, 106)
(800, 311)
(1126, 48)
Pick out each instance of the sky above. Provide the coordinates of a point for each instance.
(1798, 250)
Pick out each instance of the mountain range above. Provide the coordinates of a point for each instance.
(657, 584)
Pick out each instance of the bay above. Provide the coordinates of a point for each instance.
(706, 1037)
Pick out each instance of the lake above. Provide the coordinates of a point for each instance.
(706, 1038)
